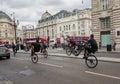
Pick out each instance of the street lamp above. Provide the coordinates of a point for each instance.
(15, 24)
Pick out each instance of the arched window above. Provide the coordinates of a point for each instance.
(74, 26)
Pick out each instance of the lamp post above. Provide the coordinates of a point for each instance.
(15, 24)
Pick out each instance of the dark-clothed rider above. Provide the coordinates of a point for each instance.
(92, 46)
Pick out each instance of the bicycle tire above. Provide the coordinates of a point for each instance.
(34, 58)
(68, 52)
(90, 61)
(77, 52)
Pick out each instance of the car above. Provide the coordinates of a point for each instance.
(4, 51)
(52, 43)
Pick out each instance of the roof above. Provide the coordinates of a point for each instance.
(4, 16)
(45, 15)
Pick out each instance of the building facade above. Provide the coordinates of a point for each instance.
(7, 32)
(106, 21)
(19, 36)
(28, 33)
(75, 23)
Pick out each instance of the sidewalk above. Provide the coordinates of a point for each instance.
(108, 59)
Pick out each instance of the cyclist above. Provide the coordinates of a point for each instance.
(35, 47)
(91, 47)
(71, 42)
(14, 48)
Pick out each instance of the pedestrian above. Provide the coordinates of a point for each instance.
(114, 46)
(99, 45)
(48, 40)
(62, 41)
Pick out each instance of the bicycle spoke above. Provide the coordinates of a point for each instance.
(91, 61)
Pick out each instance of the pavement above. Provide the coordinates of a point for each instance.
(5, 81)
(61, 53)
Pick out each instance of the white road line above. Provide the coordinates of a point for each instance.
(109, 76)
(50, 64)
(42, 63)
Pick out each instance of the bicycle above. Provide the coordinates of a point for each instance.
(14, 52)
(76, 50)
(34, 56)
(70, 50)
(90, 60)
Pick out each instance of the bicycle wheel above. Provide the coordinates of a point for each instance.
(77, 52)
(68, 52)
(34, 58)
(91, 61)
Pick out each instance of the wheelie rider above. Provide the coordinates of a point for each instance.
(91, 47)
(71, 42)
(35, 47)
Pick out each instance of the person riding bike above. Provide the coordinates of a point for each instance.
(91, 47)
(71, 42)
(35, 47)
(14, 48)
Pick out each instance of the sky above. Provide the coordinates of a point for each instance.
(30, 11)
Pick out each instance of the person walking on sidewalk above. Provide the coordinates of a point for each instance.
(114, 46)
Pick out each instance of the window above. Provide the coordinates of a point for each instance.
(118, 33)
(78, 32)
(60, 29)
(105, 23)
(104, 4)
(73, 26)
(83, 24)
(6, 35)
(69, 27)
(66, 27)
(52, 33)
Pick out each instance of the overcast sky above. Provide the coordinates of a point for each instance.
(30, 11)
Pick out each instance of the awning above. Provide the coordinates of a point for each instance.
(42, 40)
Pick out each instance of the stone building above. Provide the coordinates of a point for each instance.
(6, 28)
(75, 23)
(106, 21)
(28, 33)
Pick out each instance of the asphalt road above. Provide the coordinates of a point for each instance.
(57, 70)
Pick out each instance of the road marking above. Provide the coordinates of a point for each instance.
(51, 64)
(43, 63)
(109, 76)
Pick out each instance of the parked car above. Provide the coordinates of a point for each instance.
(4, 51)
